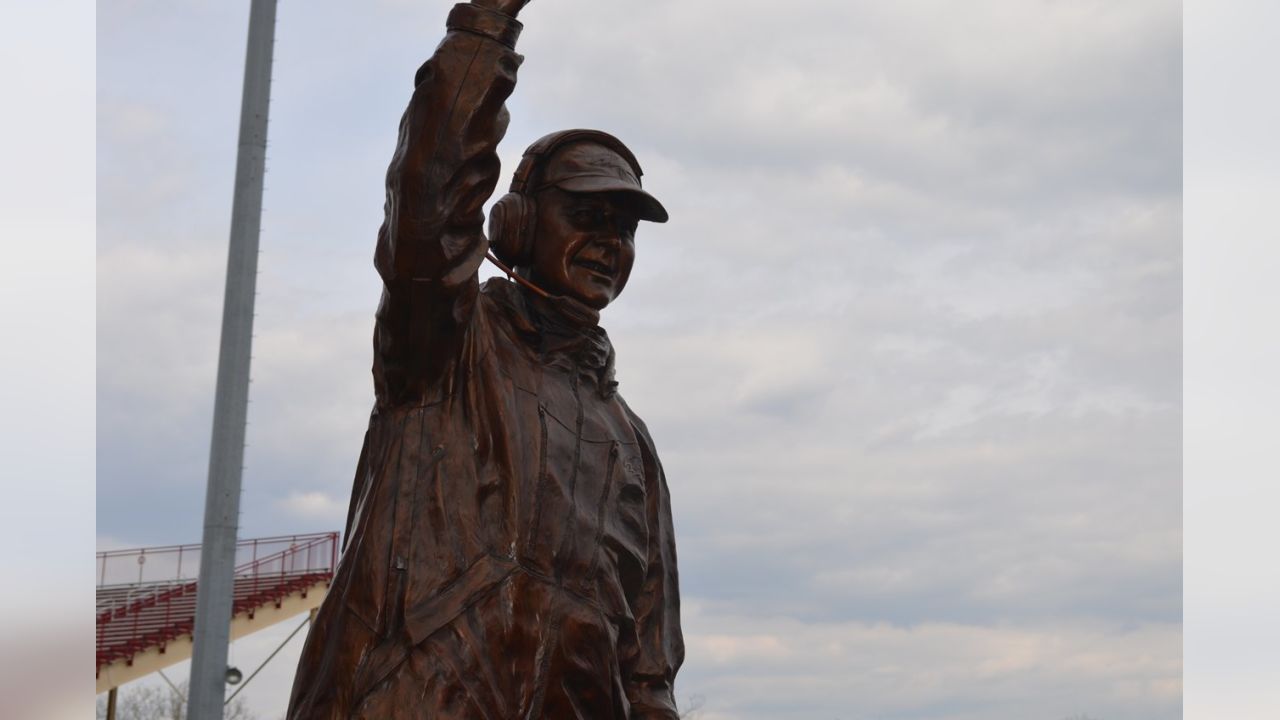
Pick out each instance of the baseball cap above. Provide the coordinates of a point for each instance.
(589, 167)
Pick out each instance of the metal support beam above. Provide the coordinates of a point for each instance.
(226, 455)
(305, 622)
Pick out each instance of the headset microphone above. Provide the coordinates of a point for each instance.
(511, 274)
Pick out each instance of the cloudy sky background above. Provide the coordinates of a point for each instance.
(910, 346)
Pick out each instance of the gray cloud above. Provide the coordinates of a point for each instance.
(910, 346)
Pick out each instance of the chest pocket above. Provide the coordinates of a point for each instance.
(569, 401)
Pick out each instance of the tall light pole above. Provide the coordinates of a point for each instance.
(226, 454)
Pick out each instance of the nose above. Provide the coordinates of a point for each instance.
(610, 239)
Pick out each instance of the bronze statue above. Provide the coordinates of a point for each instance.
(509, 550)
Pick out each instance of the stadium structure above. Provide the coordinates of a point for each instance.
(146, 599)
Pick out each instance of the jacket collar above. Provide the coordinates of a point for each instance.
(562, 330)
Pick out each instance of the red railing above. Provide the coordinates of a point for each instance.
(158, 605)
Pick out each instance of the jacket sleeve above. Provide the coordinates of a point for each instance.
(445, 167)
(650, 683)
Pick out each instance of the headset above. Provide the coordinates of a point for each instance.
(513, 221)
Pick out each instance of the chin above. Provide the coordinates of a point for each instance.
(594, 301)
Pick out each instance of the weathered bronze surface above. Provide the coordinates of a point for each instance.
(509, 550)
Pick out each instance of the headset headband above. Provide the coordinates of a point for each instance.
(546, 146)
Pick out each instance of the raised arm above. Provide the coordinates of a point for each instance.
(445, 167)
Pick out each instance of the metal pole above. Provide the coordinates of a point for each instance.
(226, 455)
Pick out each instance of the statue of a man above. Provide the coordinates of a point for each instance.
(509, 550)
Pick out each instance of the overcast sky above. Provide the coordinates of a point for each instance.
(910, 346)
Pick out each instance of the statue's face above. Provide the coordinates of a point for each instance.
(585, 245)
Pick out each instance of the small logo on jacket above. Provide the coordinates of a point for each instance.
(634, 467)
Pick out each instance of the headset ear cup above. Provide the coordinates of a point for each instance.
(511, 229)
(500, 229)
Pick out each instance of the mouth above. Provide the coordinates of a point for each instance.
(597, 267)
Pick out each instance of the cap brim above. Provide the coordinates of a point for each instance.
(648, 205)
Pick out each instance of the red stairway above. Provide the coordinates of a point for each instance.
(147, 596)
